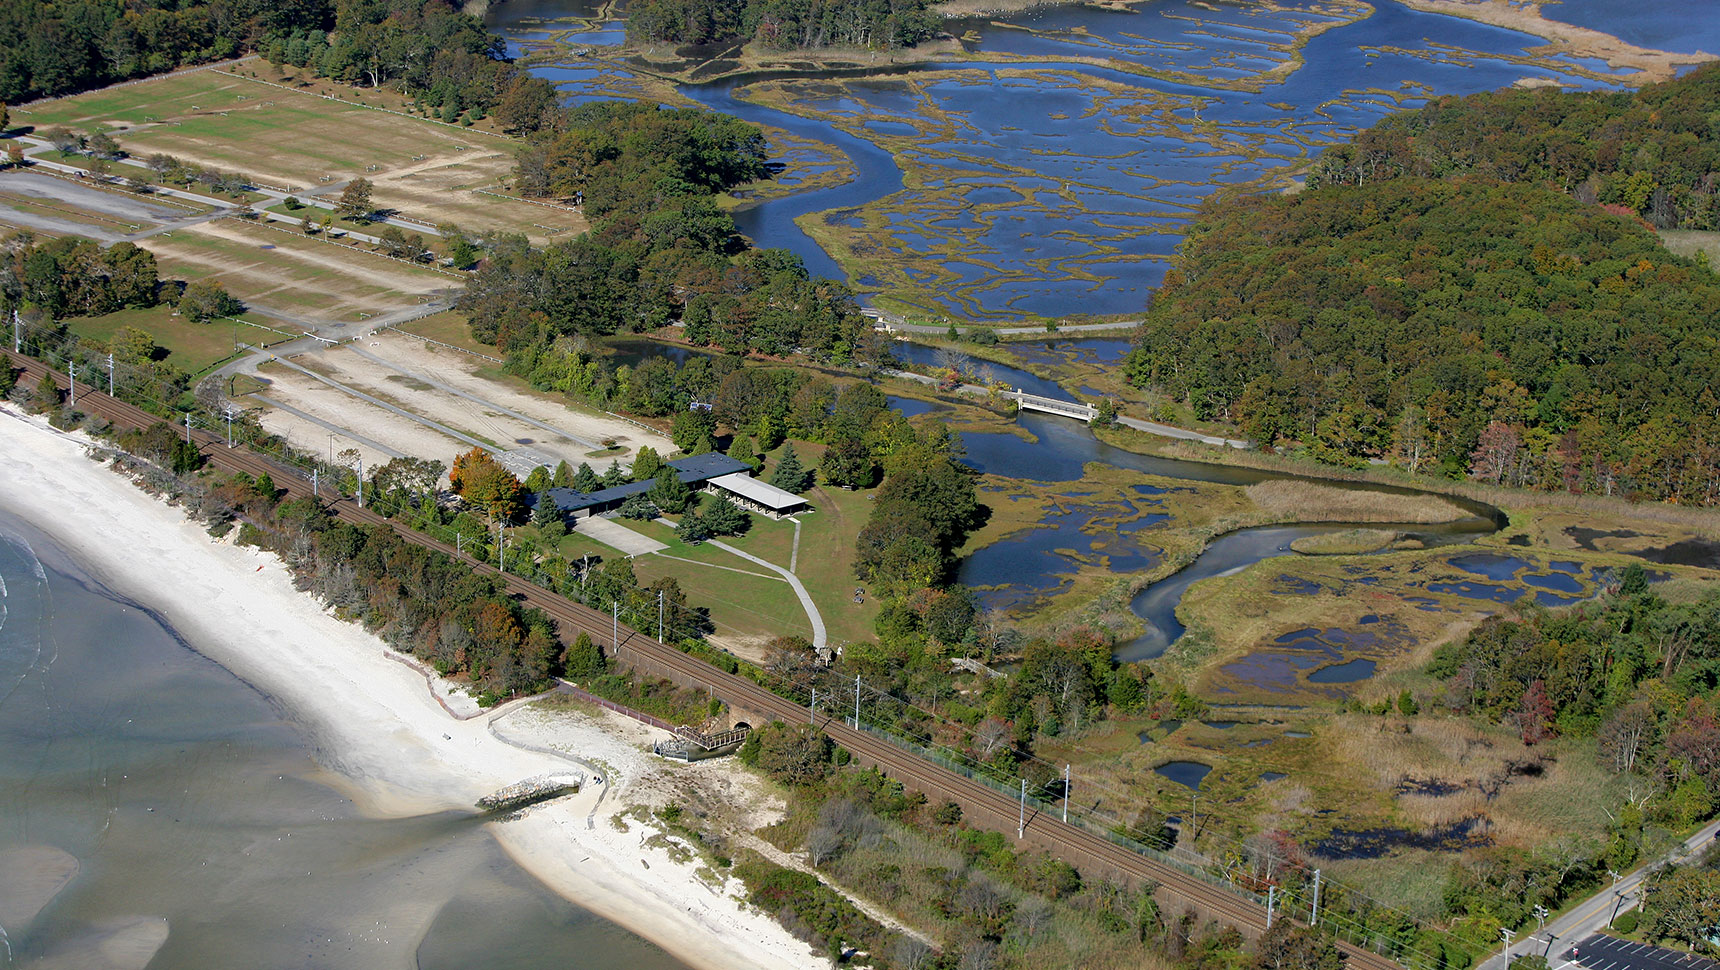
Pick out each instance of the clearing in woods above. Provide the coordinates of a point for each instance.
(313, 145)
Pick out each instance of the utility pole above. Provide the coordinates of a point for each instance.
(360, 479)
(17, 334)
(1617, 897)
(314, 493)
(226, 411)
(856, 702)
(110, 379)
(71, 385)
(1271, 898)
(459, 543)
(812, 708)
(659, 616)
(1021, 827)
(501, 565)
(1314, 919)
(188, 427)
(1066, 797)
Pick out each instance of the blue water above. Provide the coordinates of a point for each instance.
(1077, 210)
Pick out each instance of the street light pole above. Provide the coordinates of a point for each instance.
(1505, 934)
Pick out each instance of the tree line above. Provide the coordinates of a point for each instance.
(1464, 326)
(785, 24)
(658, 250)
(1636, 681)
(1652, 152)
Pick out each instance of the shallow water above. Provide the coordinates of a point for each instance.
(190, 801)
(1059, 187)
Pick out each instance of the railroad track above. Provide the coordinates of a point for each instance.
(1089, 852)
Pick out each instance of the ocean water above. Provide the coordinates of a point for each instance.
(202, 829)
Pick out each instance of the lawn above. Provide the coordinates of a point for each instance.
(452, 328)
(293, 139)
(192, 347)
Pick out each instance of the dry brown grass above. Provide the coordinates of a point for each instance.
(1310, 502)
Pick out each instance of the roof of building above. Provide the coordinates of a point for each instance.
(764, 493)
(707, 466)
(694, 470)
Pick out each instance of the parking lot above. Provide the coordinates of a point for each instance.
(1609, 953)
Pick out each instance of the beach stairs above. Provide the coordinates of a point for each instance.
(692, 745)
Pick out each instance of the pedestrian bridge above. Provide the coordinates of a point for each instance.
(1051, 405)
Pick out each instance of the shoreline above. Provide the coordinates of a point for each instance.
(375, 725)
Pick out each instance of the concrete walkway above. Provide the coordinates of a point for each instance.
(812, 615)
(617, 536)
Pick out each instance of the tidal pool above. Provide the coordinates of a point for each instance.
(1188, 774)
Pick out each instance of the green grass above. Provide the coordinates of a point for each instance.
(750, 606)
(192, 347)
(452, 328)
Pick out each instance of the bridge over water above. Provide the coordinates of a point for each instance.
(1051, 405)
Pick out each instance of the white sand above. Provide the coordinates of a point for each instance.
(375, 723)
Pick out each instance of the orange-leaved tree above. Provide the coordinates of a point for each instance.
(482, 481)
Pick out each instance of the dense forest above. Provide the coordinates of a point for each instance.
(659, 250)
(1465, 325)
(784, 24)
(426, 48)
(1637, 680)
(1654, 152)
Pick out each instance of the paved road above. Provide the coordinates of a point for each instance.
(1599, 952)
(1594, 914)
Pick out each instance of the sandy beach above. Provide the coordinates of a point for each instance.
(377, 727)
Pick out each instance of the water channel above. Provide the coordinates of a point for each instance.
(1047, 186)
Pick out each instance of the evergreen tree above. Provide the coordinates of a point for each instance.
(564, 475)
(724, 518)
(583, 659)
(639, 507)
(545, 513)
(538, 480)
(790, 475)
(47, 394)
(266, 486)
(768, 431)
(646, 464)
(615, 475)
(585, 480)
(8, 379)
(668, 492)
(741, 449)
(693, 529)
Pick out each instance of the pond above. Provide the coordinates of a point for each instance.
(1188, 774)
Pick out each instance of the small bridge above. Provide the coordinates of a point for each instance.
(691, 745)
(1051, 405)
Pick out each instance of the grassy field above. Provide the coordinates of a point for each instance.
(192, 347)
(285, 269)
(298, 139)
(451, 328)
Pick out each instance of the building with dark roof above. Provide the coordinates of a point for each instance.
(694, 471)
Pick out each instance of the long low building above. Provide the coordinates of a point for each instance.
(750, 493)
(712, 472)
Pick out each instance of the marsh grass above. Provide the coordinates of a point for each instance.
(1350, 542)
(1312, 502)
